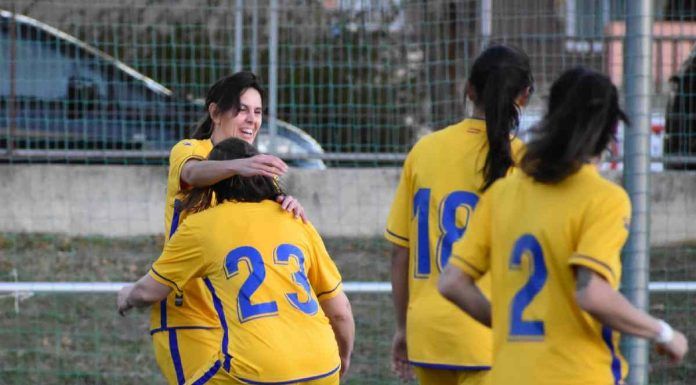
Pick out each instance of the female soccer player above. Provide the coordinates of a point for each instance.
(275, 289)
(185, 329)
(439, 188)
(551, 237)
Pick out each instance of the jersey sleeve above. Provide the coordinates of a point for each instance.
(323, 274)
(398, 222)
(471, 254)
(181, 260)
(603, 231)
(179, 155)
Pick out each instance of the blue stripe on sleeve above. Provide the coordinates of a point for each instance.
(175, 217)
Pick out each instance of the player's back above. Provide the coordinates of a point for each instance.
(537, 233)
(432, 206)
(268, 271)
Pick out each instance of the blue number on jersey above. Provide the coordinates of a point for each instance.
(421, 209)
(257, 273)
(282, 256)
(448, 226)
(448, 222)
(519, 328)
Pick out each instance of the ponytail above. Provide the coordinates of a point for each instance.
(203, 129)
(499, 76)
(502, 117)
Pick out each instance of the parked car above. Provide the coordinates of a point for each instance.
(680, 127)
(58, 92)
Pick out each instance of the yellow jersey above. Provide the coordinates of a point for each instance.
(437, 193)
(194, 307)
(266, 273)
(529, 235)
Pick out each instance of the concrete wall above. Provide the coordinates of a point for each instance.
(129, 200)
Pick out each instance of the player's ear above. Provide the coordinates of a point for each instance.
(214, 112)
(470, 91)
(523, 97)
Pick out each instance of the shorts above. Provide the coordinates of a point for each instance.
(429, 376)
(182, 352)
(213, 374)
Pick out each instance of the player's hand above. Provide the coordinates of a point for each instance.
(400, 365)
(345, 365)
(675, 349)
(262, 164)
(122, 300)
(292, 205)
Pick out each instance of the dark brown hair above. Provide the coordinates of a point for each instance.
(236, 188)
(580, 123)
(499, 75)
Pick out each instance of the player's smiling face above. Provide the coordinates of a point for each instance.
(245, 125)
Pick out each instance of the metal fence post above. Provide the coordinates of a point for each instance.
(238, 35)
(272, 74)
(636, 254)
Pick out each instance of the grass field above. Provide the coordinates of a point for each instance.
(79, 339)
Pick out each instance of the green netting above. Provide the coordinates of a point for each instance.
(357, 75)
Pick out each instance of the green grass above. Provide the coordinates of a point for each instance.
(79, 339)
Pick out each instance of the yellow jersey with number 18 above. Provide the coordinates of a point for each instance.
(437, 193)
(266, 272)
(529, 235)
(194, 307)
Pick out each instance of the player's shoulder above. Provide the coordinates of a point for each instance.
(597, 190)
(434, 141)
(600, 184)
(192, 145)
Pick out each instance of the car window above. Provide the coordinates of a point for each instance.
(41, 68)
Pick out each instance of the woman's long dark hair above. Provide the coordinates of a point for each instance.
(236, 188)
(225, 93)
(580, 123)
(499, 76)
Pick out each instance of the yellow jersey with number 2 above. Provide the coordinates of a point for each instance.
(529, 235)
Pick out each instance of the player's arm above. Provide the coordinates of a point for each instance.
(595, 295)
(340, 315)
(144, 292)
(460, 288)
(202, 173)
(399, 281)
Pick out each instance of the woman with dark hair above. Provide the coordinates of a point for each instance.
(276, 291)
(184, 327)
(442, 178)
(551, 238)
